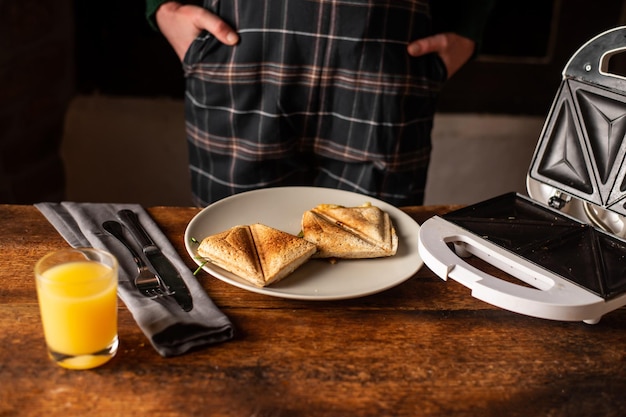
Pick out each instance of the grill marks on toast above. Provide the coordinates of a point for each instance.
(331, 239)
(368, 223)
(350, 232)
(234, 250)
(257, 253)
(279, 253)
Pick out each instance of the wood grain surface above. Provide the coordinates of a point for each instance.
(423, 348)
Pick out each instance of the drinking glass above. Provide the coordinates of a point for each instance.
(77, 292)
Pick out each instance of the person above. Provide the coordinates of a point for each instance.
(337, 94)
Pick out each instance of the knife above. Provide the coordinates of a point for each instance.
(162, 266)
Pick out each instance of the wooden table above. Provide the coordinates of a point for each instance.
(423, 348)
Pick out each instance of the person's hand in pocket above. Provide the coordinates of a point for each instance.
(454, 50)
(181, 24)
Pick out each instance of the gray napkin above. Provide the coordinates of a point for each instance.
(170, 330)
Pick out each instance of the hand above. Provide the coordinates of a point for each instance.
(181, 24)
(454, 50)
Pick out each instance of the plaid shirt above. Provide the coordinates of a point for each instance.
(317, 92)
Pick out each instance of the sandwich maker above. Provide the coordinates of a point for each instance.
(565, 243)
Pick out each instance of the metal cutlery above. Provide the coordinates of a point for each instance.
(147, 282)
(164, 269)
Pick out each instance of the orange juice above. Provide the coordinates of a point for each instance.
(78, 304)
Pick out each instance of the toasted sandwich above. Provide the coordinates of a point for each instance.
(350, 232)
(259, 254)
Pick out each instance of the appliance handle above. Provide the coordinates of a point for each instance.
(590, 62)
(545, 294)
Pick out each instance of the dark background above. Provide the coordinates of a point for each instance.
(526, 46)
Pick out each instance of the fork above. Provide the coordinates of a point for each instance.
(148, 284)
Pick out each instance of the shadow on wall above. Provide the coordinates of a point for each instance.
(36, 74)
(476, 157)
(126, 150)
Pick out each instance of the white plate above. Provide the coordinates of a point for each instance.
(317, 279)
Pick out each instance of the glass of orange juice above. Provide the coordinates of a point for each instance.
(77, 292)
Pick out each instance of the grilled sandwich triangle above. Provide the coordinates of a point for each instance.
(350, 232)
(257, 253)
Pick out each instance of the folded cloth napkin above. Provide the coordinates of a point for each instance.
(170, 330)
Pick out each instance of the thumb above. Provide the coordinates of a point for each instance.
(427, 45)
(216, 26)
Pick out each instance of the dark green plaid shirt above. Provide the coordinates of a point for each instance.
(318, 93)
